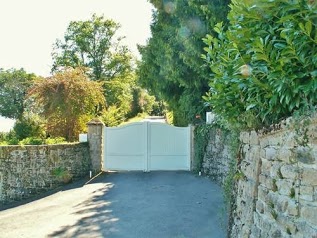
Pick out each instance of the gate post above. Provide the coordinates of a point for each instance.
(95, 141)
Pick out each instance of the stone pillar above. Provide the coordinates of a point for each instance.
(95, 140)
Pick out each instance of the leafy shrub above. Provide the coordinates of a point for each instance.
(62, 174)
(202, 136)
(142, 102)
(56, 140)
(31, 141)
(3, 136)
(113, 116)
(8, 138)
(264, 66)
(28, 126)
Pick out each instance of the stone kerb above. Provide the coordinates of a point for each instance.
(95, 141)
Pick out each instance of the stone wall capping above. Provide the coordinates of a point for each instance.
(95, 121)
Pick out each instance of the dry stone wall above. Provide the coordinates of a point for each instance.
(28, 170)
(218, 155)
(277, 192)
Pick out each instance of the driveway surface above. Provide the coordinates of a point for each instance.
(124, 204)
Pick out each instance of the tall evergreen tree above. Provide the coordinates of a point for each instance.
(171, 66)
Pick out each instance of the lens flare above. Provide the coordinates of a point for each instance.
(169, 7)
(246, 70)
(196, 25)
(184, 32)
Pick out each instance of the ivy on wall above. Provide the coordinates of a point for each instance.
(202, 136)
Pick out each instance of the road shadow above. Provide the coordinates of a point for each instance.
(142, 205)
(95, 215)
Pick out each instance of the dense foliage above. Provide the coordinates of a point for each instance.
(67, 101)
(171, 67)
(10, 138)
(14, 84)
(93, 44)
(125, 99)
(64, 103)
(264, 66)
(30, 125)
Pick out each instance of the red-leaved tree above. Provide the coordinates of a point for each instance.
(67, 100)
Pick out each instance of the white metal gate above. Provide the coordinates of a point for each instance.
(147, 146)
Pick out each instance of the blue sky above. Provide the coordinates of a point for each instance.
(30, 28)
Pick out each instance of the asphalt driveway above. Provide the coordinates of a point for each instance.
(125, 204)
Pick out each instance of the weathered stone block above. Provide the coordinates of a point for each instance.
(255, 153)
(262, 153)
(287, 225)
(2, 152)
(263, 193)
(264, 141)
(289, 171)
(304, 155)
(250, 170)
(284, 186)
(305, 230)
(314, 154)
(292, 208)
(255, 232)
(245, 137)
(270, 153)
(285, 154)
(266, 181)
(254, 138)
(289, 139)
(262, 221)
(245, 166)
(282, 203)
(272, 197)
(248, 188)
(307, 193)
(245, 152)
(245, 231)
(275, 139)
(309, 213)
(275, 232)
(276, 170)
(259, 206)
(309, 176)
(266, 166)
